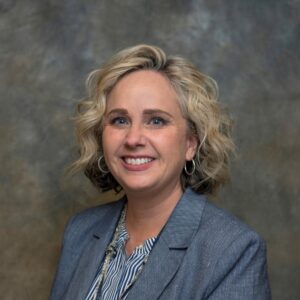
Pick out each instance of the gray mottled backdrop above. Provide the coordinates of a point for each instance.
(48, 47)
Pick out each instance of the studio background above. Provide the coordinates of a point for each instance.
(47, 48)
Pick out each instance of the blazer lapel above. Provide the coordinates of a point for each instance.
(91, 258)
(170, 248)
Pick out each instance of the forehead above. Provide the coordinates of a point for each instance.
(144, 87)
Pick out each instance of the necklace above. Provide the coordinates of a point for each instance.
(110, 251)
(110, 254)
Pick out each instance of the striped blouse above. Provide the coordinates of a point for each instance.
(122, 270)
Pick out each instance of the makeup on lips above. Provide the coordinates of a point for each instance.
(137, 163)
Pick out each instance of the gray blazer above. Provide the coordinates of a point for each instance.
(202, 253)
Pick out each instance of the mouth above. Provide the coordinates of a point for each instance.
(137, 161)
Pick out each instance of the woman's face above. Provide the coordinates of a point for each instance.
(145, 137)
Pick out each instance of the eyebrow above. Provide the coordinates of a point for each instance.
(156, 111)
(123, 111)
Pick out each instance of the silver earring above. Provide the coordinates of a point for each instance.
(99, 165)
(192, 171)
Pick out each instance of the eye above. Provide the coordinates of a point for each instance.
(119, 121)
(157, 121)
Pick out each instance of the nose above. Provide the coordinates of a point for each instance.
(135, 136)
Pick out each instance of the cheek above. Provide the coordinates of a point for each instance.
(108, 141)
(112, 140)
(173, 143)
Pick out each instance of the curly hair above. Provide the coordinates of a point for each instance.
(197, 96)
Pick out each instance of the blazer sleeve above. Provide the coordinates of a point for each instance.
(241, 271)
(66, 264)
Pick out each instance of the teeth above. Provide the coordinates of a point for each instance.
(137, 161)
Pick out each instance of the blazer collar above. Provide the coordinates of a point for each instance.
(170, 248)
(92, 256)
(107, 225)
(184, 221)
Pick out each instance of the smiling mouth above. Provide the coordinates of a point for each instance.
(137, 161)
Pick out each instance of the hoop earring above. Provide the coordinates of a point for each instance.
(99, 165)
(192, 171)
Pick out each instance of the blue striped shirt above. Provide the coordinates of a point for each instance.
(122, 270)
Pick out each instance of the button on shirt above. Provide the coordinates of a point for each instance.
(122, 270)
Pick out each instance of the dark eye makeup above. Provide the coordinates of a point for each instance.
(157, 121)
(118, 121)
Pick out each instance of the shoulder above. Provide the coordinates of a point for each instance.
(238, 257)
(232, 254)
(79, 232)
(91, 215)
(225, 226)
(219, 230)
(85, 223)
(214, 221)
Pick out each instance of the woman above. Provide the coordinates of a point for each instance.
(153, 128)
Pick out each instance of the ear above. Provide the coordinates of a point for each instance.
(191, 147)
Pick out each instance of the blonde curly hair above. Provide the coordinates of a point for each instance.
(197, 96)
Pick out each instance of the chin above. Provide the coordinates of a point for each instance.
(138, 187)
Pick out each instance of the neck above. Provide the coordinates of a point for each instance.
(148, 213)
